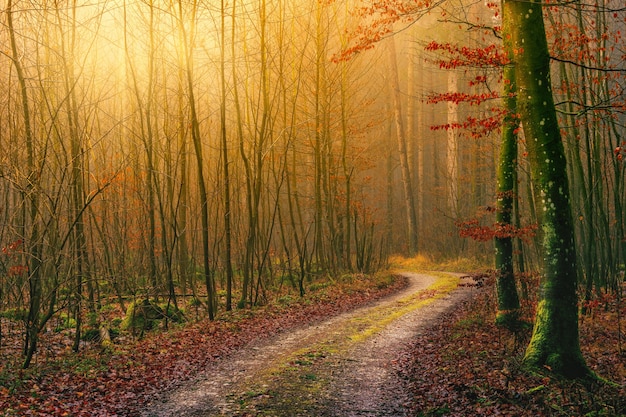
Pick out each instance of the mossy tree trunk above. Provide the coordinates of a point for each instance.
(508, 300)
(555, 340)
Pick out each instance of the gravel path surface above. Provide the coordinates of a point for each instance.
(367, 384)
(358, 380)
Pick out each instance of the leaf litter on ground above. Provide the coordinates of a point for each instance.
(120, 380)
(466, 365)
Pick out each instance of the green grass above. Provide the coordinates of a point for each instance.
(423, 262)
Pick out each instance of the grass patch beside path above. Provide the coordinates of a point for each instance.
(295, 385)
(426, 263)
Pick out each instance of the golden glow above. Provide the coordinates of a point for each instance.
(115, 37)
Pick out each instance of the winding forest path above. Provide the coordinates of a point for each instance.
(340, 367)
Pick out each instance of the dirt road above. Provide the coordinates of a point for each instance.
(340, 367)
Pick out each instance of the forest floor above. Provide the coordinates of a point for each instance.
(420, 345)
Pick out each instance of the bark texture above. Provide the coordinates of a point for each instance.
(555, 340)
(508, 300)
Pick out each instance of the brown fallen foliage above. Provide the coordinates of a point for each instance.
(120, 380)
(466, 365)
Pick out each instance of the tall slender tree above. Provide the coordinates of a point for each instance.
(227, 206)
(409, 197)
(187, 47)
(31, 196)
(508, 300)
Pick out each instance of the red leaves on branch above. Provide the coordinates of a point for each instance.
(488, 57)
(13, 247)
(17, 270)
(12, 252)
(474, 230)
(379, 18)
(477, 127)
(596, 46)
(457, 98)
(462, 56)
(620, 152)
(479, 79)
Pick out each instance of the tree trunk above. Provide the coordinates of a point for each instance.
(452, 146)
(555, 339)
(77, 235)
(508, 301)
(197, 144)
(402, 147)
(318, 147)
(32, 244)
(227, 210)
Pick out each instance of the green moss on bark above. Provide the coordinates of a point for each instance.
(554, 344)
(508, 300)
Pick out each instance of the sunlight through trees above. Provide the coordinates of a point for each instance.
(202, 154)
